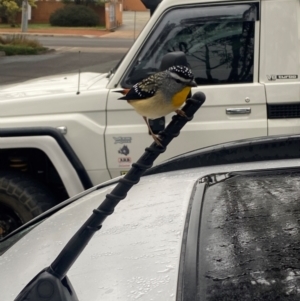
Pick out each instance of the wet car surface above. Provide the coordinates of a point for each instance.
(250, 240)
(219, 232)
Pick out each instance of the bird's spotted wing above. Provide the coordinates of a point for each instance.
(144, 89)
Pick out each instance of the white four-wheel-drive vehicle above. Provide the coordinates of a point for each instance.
(245, 58)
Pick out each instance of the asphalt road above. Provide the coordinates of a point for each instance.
(22, 68)
(84, 42)
(95, 56)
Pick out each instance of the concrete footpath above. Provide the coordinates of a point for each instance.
(133, 23)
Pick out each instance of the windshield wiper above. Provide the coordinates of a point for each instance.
(113, 70)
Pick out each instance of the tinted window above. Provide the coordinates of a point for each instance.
(218, 42)
(250, 238)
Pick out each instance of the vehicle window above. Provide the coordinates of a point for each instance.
(217, 40)
(249, 238)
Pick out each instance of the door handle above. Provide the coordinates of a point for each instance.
(238, 111)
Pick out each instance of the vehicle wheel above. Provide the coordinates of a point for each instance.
(21, 199)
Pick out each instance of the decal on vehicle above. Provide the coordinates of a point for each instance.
(124, 161)
(274, 77)
(124, 150)
(122, 140)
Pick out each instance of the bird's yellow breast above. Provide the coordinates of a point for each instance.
(179, 98)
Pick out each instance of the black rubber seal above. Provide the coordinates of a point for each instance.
(241, 151)
(188, 267)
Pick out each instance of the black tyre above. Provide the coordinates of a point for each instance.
(21, 199)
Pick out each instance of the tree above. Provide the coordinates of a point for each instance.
(10, 8)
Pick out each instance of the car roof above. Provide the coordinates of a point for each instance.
(135, 254)
(136, 250)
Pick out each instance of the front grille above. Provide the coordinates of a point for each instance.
(276, 111)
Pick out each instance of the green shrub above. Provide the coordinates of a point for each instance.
(19, 45)
(74, 16)
(19, 39)
(20, 49)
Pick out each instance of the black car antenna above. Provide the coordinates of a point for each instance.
(52, 283)
(79, 73)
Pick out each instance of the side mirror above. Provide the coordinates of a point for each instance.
(173, 58)
(151, 4)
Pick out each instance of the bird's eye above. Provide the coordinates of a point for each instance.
(178, 81)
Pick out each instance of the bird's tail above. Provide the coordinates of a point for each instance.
(124, 92)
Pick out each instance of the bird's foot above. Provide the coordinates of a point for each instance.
(181, 113)
(157, 140)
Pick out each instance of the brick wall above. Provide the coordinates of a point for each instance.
(43, 10)
(100, 10)
(134, 5)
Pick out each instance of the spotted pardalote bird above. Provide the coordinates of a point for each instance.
(160, 94)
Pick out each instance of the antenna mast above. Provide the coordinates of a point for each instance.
(79, 72)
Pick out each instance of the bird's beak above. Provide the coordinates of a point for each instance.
(193, 83)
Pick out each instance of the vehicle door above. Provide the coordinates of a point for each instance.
(221, 44)
(279, 68)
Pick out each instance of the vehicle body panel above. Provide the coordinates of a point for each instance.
(54, 152)
(279, 57)
(52, 101)
(54, 84)
(136, 253)
(211, 125)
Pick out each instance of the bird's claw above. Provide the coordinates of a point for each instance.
(181, 113)
(157, 140)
